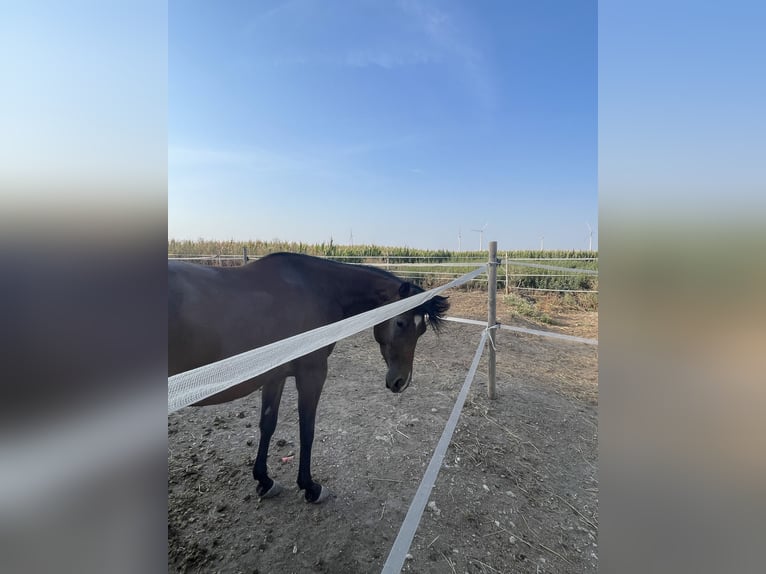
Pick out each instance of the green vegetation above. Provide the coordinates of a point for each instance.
(181, 248)
(331, 250)
(425, 275)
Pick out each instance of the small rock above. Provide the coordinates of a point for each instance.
(248, 425)
(241, 415)
(409, 557)
(497, 523)
(512, 540)
(249, 442)
(295, 549)
(432, 507)
(434, 410)
(485, 487)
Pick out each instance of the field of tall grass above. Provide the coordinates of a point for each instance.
(427, 274)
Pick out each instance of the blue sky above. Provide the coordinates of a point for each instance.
(403, 123)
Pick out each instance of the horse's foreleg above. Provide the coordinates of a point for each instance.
(309, 383)
(271, 395)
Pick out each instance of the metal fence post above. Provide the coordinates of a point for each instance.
(244, 255)
(492, 316)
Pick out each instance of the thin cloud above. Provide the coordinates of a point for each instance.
(309, 38)
(448, 37)
(247, 158)
(288, 8)
(378, 145)
(387, 59)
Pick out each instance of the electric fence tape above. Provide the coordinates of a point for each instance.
(527, 331)
(192, 386)
(398, 552)
(551, 267)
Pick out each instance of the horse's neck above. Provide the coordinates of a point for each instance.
(357, 290)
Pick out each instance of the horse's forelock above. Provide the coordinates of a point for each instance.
(435, 309)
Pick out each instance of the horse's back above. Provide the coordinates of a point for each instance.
(215, 313)
(190, 343)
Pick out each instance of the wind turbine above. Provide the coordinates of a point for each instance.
(481, 235)
(542, 239)
(351, 239)
(590, 237)
(459, 237)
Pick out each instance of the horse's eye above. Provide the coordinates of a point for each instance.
(400, 323)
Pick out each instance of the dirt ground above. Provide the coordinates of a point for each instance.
(518, 490)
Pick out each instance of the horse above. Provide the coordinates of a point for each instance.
(216, 312)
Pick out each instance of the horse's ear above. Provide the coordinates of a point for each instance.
(404, 289)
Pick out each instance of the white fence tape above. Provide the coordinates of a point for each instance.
(576, 270)
(190, 387)
(398, 552)
(554, 290)
(426, 264)
(527, 331)
(378, 262)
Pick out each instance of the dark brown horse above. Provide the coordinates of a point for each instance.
(214, 313)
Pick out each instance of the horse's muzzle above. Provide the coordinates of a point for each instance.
(399, 384)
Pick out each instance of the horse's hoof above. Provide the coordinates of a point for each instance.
(324, 494)
(275, 489)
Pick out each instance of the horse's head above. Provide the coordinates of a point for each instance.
(398, 336)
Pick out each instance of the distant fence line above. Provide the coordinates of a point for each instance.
(476, 260)
(433, 269)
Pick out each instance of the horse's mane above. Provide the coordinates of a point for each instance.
(434, 308)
